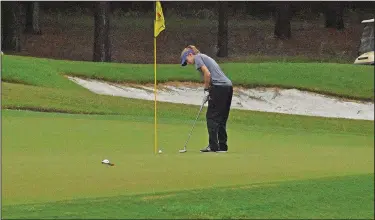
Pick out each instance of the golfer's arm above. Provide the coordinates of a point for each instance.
(207, 77)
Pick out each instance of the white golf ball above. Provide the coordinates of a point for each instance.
(105, 161)
(160, 151)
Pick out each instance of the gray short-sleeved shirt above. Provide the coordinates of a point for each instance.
(217, 75)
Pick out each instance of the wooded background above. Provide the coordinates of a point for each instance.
(236, 31)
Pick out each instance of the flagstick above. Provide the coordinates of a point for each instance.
(155, 92)
(158, 17)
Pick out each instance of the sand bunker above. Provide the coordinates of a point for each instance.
(288, 101)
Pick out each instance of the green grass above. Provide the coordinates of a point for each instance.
(58, 158)
(349, 197)
(76, 145)
(336, 79)
(284, 58)
(51, 161)
(16, 96)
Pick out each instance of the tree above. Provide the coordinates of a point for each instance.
(222, 37)
(32, 18)
(101, 32)
(10, 26)
(283, 17)
(333, 12)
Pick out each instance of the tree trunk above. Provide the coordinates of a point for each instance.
(10, 26)
(33, 18)
(283, 17)
(334, 15)
(222, 37)
(101, 33)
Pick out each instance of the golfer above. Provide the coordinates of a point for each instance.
(219, 90)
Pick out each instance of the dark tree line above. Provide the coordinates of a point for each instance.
(10, 26)
(282, 20)
(12, 22)
(222, 43)
(254, 8)
(333, 15)
(32, 18)
(102, 47)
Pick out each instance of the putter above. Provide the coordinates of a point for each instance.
(184, 150)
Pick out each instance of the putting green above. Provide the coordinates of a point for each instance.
(50, 157)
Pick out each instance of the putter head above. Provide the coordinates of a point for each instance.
(182, 151)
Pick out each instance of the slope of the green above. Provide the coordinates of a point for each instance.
(337, 79)
(17, 96)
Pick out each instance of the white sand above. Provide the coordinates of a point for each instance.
(288, 101)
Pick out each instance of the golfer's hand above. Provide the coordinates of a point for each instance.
(206, 91)
(205, 99)
(206, 95)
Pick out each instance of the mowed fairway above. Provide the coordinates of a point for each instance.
(278, 166)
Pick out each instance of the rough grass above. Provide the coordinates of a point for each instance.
(17, 96)
(349, 197)
(343, 80)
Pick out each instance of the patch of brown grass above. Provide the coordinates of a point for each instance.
(156, 197)
(254, 186)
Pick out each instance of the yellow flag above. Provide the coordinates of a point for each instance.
(159, 19)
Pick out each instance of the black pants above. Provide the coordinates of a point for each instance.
(217, 116)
